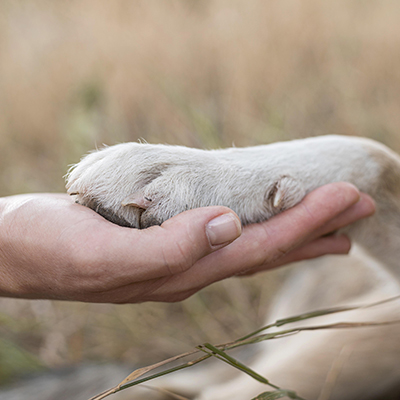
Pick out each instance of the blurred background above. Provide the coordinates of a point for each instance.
(78, 74)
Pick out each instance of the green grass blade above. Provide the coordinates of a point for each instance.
(277, 394)
(214, 351)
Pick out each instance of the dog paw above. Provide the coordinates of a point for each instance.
(140, 185)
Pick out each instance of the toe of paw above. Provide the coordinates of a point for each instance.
(145, 205)
(149, 219)
(122, 220)
(123, 216)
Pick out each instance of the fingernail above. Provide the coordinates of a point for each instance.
(367, 205)
(223, 229)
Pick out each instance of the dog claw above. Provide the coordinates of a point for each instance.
(137, 200)
(278, 198)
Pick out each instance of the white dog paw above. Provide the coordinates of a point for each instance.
(140, 185)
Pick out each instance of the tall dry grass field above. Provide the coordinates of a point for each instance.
(77, 74)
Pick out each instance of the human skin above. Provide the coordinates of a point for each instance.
(52, 248)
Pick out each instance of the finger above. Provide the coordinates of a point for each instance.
(165, 250)
(273, 239)
(172, 247)
(317, 248)
(264, 243)
(364, 208)
(177, 288)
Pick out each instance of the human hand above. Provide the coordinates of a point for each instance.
(52, 248)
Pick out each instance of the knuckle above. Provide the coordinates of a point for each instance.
(176, 258)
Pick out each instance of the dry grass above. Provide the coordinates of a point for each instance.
(76, 74)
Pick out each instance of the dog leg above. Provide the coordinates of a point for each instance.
(140, 185)
(336, 364)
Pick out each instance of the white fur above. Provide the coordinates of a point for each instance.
(140, 185)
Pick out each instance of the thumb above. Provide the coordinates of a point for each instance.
(184, 239)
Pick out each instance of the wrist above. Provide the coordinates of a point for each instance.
(12, 283)
(6, 282)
